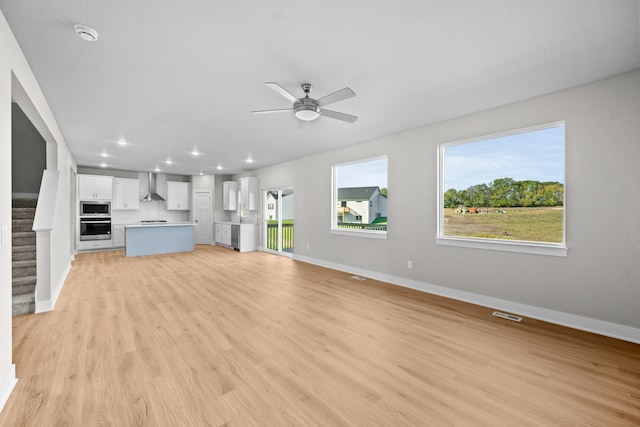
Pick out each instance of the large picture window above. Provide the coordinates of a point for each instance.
(505, 192)
(359, 205)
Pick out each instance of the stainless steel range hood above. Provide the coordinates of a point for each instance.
(152, 193)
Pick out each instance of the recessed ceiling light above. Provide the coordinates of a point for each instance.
(195, 153)
(121, 142)
(219, 167)
(103, 164)
(201, 173)
(86, 33)
(104, 155)
(157, 169)
(169, 162)
(249, 160)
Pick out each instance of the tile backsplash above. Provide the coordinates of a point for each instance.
(147, 211)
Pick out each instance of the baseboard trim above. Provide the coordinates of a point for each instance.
(7, 385)
(49, 304)
(600, 327)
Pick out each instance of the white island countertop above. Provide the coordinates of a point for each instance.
(159, 224)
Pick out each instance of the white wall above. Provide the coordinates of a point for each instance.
(596, 287)
(17, 81)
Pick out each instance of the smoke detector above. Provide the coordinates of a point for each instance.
(86, 33)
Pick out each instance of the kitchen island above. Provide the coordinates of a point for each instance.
(159, 238)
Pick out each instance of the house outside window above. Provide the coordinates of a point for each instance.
(504, 192)
(360, 198)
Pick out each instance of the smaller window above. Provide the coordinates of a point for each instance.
(355, 184)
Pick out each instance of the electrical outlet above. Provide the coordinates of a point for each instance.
(409, 264)
(308, 247)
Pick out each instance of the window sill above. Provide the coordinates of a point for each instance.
(368, 234)
(550, 249)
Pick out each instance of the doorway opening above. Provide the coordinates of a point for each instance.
(278, 221)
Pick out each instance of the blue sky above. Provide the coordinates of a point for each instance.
(363, 174)
(537, 155)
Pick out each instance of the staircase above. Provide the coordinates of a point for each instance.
(23, 256)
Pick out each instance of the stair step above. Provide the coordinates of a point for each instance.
(19, 225)
(23, 268)
(23, 304)
(23, 213)
(24, 203)
(25, 280)
(22, 253)
(23, 289)
(23, 238)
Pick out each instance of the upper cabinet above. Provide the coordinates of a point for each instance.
(178, 196)
(94, 187)
(230, 195)
(249, 193)
(125, 194)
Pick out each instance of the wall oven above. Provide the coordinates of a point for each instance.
(95, 229)
(95, 208)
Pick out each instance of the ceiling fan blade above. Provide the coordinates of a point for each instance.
(336, 96)
(283, 110)
(340, 116)
(282, 91)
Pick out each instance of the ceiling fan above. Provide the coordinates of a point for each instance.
(307, 108)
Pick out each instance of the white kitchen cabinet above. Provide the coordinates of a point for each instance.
(249, 193)
(218, 233)
(230, 195)
(95, 187)
(125, 194)
(118, 236)
(85, 245)
(223, 234)
(247, 238)
(178, 196)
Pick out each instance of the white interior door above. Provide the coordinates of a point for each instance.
(202, 216)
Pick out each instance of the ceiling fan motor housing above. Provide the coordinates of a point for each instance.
(306, 109)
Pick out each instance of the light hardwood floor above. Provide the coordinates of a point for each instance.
(219, 338)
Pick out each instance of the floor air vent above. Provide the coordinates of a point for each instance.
(507, 316)
(360, 278)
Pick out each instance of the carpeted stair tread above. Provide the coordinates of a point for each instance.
(23, 304)
(23, 290)
(23, 213)
(19, 203)
(24, 263)
(24, 280)
(21, 225)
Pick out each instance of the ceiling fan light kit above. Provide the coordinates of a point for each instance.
(308, 109)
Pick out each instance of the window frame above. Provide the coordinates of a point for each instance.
(372, 234)
(522, 246)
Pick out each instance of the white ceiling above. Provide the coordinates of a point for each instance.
(170, 77)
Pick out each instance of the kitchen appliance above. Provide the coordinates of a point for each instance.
(92, 208)
(94, 228)
(152, 193)
(235, 236)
